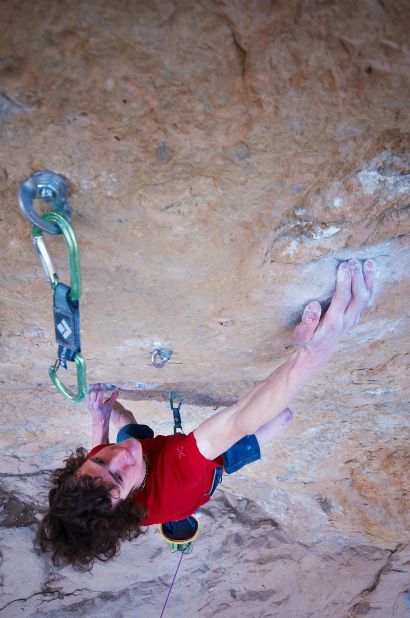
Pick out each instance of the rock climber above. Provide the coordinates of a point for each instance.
(107, 495)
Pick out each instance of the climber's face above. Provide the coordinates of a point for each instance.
(119, 465)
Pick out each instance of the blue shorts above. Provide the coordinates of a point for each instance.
(243, 452)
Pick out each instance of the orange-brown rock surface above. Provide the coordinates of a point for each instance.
(224, 156)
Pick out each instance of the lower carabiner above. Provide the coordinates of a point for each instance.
(81, 380)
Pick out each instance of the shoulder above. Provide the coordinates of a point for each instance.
(180, 449)
(188, 448)
(160, 445)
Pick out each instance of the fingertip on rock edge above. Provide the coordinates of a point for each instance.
(314, 306)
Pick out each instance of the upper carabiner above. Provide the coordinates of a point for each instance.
(65, 228)
(53, 190)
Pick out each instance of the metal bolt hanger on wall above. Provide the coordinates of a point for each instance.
(52, 189)
(160, 356)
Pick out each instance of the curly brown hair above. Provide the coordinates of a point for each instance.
(81, 524)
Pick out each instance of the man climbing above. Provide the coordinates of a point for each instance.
(103, 497)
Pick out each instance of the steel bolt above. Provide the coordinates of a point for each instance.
(47, 193)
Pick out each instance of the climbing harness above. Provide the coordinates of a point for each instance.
(52, 188)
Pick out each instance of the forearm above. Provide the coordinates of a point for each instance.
(120, 416)
(259, 406)
(274, 394)
(100, 431)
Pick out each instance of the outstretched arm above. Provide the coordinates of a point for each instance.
(317, 339)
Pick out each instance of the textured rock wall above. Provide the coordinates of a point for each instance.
(223, 158)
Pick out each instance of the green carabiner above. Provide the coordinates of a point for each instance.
(74, 294)
(81, 380)
(72, 250)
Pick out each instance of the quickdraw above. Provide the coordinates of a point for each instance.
(52, 188)
(176, 411)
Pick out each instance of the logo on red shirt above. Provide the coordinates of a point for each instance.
(180, 452)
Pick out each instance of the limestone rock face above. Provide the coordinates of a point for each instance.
(224, 157)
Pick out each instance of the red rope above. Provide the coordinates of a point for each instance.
(169, 591)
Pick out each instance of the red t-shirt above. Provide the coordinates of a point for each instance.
(178, 479)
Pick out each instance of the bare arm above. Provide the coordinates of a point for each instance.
(317, 341)
(265, 401)
(120, 416)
